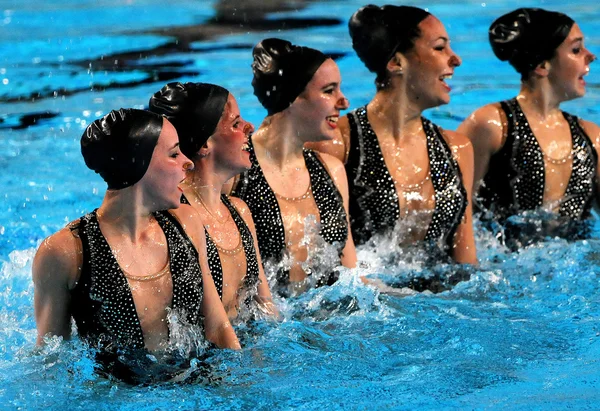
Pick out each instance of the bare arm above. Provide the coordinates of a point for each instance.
(338, 173)
(593, 132)
(464, 251)
(217, 327)
(264, 297)
(484, 128)
(56, 268)
(338, 147)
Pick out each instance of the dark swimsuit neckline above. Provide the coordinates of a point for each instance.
(431, 211)
(122, 277)
(539, 147)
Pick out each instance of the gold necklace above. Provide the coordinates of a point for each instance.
(414, 186)
(199, 197)
(304, 196)
(557, 161)
(232, 251)
(166, 269)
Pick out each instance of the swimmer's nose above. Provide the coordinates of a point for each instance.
(248, 129)
(188, 165)
(343, 103)
(591, 57)
(455, 61)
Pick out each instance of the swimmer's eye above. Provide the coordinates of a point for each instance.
(329, 90)
(175, 154)
(236, 124)
(441, 44)
(577, 50)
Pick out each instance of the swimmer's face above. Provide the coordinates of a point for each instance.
(166, 170)
(570, 64)
(317, 109)
(428, 64)
(229, 142)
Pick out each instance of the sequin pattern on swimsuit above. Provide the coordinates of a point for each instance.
(374, 205)
(516, 176)
(105, 308)
(254, 189)
(214, 260)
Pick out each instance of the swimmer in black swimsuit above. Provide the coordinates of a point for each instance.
(298, 198)
(121, 269)
(214, 135)
(530, 155)
(403, 170)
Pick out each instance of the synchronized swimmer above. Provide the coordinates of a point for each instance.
(197, 200)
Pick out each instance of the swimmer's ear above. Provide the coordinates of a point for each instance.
(543, 68)
(395, 65)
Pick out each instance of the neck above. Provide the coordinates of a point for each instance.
(207, 172)
(278, 142)
(124, 211)
(538, 99)
(207, 186)
(400, 117)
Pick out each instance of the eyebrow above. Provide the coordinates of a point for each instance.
(333, 83)
(175, 146)
(236, 118)
(577, 39)
(446, 39)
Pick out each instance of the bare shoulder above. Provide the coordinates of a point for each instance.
(458, 142)
(485, 127)
(333, 164)
(59, 258)
(489, 117)
(592, 130)
(490, 113)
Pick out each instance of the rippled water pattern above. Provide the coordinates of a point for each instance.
(523, 333)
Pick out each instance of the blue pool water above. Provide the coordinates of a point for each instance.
(523, 333)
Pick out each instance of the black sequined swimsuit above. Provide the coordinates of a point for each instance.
(374, 206)
(516, 177)
(104, 309)
(214, 261)
(254, 189)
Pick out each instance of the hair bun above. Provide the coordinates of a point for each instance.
(378, 32)
(506, 33)
(282, 71)
(527, 36)
(265, 55)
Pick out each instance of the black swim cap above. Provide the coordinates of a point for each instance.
(119, 146)
(282, 71)
(194, 109)
(526, 37)
(379, 32)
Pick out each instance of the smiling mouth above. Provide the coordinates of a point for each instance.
(332, 120)
(445, 77)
